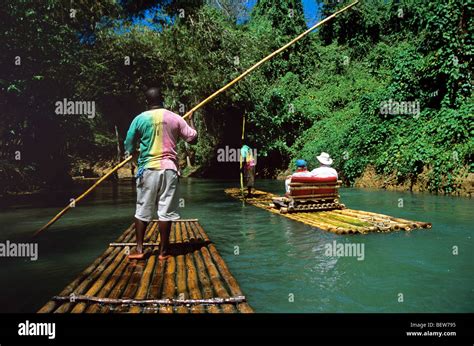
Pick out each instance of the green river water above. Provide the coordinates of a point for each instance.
(281, 265)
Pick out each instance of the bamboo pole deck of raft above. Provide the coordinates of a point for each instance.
(339, 221)
(195, 279)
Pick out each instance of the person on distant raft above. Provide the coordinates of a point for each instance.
(324, 170)
(301, 171)
(248, 168)
(157, 130)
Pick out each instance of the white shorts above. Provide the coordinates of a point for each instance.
(157, 189)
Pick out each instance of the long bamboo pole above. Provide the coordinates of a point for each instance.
(78, 199)
(164, 301)
(204, 279)
(297, 38)
(199, 105)
(181, 287)
(240, 158)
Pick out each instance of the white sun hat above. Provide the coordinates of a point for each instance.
(325, 159)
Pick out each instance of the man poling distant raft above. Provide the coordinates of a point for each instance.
(199, 105)
(248, 168)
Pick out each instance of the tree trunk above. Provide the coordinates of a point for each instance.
(188, 159)
(119, 152)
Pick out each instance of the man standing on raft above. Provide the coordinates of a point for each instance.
(157, 130)
(248, 168)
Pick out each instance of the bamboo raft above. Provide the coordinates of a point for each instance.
(195, 279)
(339, 221)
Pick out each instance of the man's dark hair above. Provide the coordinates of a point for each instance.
(153, 97)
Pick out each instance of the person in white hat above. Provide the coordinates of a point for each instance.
(324, 170)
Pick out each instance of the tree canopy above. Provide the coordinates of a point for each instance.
(323, 94)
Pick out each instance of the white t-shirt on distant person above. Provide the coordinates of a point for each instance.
(324, 172)
(296, 174)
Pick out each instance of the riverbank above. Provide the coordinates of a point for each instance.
(464, 182)
(83, 171)
(370, 179)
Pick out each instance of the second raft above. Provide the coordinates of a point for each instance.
(339, 221)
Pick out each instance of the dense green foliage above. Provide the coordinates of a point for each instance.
(423, 54)
(323, 94)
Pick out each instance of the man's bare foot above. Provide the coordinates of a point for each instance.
(137, 256)
(163, 257)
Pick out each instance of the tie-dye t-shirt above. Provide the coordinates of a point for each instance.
(247, 156)
(158, 131)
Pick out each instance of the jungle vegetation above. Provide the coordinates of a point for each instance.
(329, 92)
